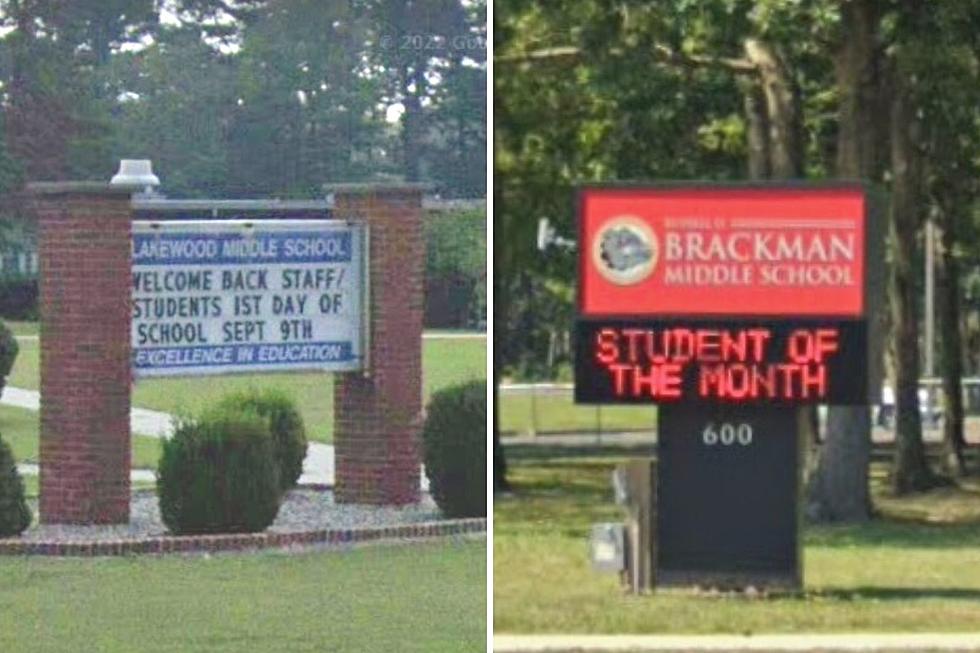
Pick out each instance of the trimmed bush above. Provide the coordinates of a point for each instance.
(15, 516)
(218, 474)
(8, 353)
(285, 425)
(454, 442)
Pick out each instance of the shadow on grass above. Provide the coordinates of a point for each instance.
(558, 453)
(866, 593)
(566, 496)
(895, 533)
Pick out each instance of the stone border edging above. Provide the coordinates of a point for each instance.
(242, 541)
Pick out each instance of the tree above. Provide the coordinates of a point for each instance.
(176, 100)
(838, 488)
(457, 144)
(414, 45)
(951, 131)
(799, 62)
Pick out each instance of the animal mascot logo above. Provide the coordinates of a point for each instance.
(625, 250)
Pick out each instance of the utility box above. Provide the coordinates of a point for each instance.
(607, 548)
(635, 487)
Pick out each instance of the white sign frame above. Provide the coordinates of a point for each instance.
(360, 253)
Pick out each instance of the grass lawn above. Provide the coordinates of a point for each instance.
(444, 362)
(19, 328)
(425, 598)
(917, 568)
(19, 428)
(523, 414)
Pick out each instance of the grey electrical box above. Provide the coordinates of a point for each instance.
(607, 548)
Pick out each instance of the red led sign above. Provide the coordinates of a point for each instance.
(730, 363)
(779, 251)
(678, 360)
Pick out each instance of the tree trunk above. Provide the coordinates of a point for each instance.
(757, 128)
(838, 489)
(856, 68)
(783, 112)
(954, 443)
(500, 483)
(773, 115)
(412, 123)
(910, 471)
(500, 308)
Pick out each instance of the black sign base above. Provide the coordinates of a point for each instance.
(728, 497)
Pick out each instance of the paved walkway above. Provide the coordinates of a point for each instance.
(851, 643)
(318, 467)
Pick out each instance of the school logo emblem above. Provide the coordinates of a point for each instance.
(625, 250)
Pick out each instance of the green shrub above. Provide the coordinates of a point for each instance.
(18, 297)
(218, 475)
(455, 268)
(454, 442)
(8, 353)
(15, 516)
(285, 425)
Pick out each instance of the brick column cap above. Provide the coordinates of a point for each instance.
(54, 188)
(377, 188)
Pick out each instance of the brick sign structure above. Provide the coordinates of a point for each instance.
(86, 293)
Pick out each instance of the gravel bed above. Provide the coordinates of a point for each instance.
(304, 509)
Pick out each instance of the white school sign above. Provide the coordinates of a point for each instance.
(213, 297)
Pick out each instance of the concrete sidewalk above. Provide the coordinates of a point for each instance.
(318, 467)
(145, 475)
(839, 643)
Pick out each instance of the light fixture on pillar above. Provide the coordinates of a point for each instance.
(137, 173)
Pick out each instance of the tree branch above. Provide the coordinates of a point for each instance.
(661, 54)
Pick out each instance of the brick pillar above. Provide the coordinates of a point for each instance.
(378, 413)
(84, 245)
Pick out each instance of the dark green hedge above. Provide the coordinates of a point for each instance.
(15, 516)
(218, 474)
(285, 425)
(18, 297)
(454, 443)
(8, 353)
(455, 269)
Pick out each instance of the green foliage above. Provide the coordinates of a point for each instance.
(15, 516)
(218, 474)
(285, 425)
(625, 115)
(246, 99)
(455, 449)
(8, 353)
(456, 244)
(11, 174)
(455, 268)
(18, 297)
